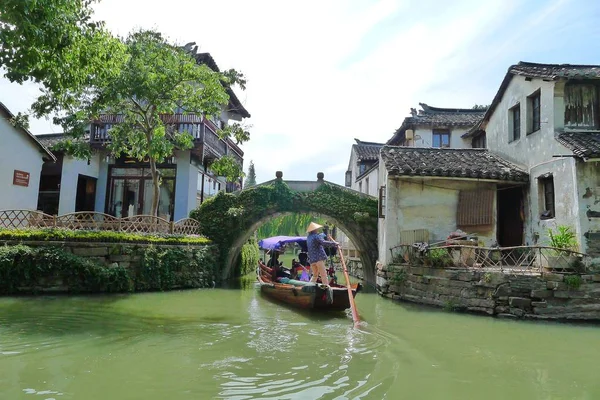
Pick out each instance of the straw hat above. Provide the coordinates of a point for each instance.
(313, 227)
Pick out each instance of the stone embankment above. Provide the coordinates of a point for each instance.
(95, 267)
(548, 296)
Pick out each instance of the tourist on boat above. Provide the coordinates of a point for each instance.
(277, 269)
(316, 252)
(274, 260)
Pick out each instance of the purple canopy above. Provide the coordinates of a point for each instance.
(278, 242)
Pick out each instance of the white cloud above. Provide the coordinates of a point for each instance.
(323, 73)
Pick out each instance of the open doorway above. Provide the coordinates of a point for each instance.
(510, 217)
(85, 199)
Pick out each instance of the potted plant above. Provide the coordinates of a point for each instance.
(563, 238)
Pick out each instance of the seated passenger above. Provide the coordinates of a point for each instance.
(303, 258)
(274, 260)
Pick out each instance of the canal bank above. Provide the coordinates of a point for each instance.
(541, 296)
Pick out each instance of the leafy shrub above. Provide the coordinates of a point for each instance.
(249, 257)
(573, 281)
(28, 267)
(439, 258)
(57, 234)
(563, 238)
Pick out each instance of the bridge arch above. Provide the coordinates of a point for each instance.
(229, 220)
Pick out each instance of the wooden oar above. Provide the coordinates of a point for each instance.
(350, 296)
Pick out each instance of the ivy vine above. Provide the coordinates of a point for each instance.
(224, 217)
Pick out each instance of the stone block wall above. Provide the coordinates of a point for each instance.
(548, 296)
(189, 270)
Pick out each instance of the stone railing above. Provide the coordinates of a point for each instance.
(15, 219)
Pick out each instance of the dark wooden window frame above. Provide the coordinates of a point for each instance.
(534, 103)
(441, 133)
(547, 192)
(515, 120)
(381, 202)
(479, 141)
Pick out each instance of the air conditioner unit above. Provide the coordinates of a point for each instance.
(409, 134)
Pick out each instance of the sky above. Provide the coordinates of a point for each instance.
(322, 73)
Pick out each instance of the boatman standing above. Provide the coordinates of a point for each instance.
(316, 252)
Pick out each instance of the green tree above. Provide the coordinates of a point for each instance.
(156, 79)
(55, 43)
(251, 177)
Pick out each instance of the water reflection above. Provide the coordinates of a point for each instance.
(236, 344)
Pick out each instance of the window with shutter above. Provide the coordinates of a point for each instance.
(475, 208)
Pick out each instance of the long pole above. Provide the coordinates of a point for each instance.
(353, 309)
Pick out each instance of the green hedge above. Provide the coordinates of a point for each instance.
(57, 234)
(25, 269)
(249, 257)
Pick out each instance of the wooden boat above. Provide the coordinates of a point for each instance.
(305, 294)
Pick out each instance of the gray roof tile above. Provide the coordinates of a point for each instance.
(367, 151)
(583, 144)
(458, 163)
(554, 71)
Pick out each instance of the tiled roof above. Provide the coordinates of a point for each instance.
(367, 151)
(583, 144)
(437, 117)
(446, 116)
(50, 139)
(458, 163)
(235, 103)
(535, 70)
(555, 71)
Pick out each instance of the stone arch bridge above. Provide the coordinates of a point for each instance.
(230, 219)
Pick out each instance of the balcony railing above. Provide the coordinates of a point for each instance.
(203, 131)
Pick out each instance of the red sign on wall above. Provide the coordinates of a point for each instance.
(21, 178)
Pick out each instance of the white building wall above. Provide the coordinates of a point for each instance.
(368, 183)
(18, 152)
(588, 190)
(71, 169)
(186, 183)
(535, 152)
(102, 183)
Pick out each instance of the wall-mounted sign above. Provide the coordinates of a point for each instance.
(21, 178)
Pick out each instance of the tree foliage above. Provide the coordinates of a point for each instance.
(251, 177)
(56, 44)
(227, 167)
(290, 225)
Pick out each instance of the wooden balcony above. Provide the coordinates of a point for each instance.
(207, 144)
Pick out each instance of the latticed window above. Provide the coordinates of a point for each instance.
(475, 208)
(581, 106)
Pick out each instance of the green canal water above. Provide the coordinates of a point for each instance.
(235, 344)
